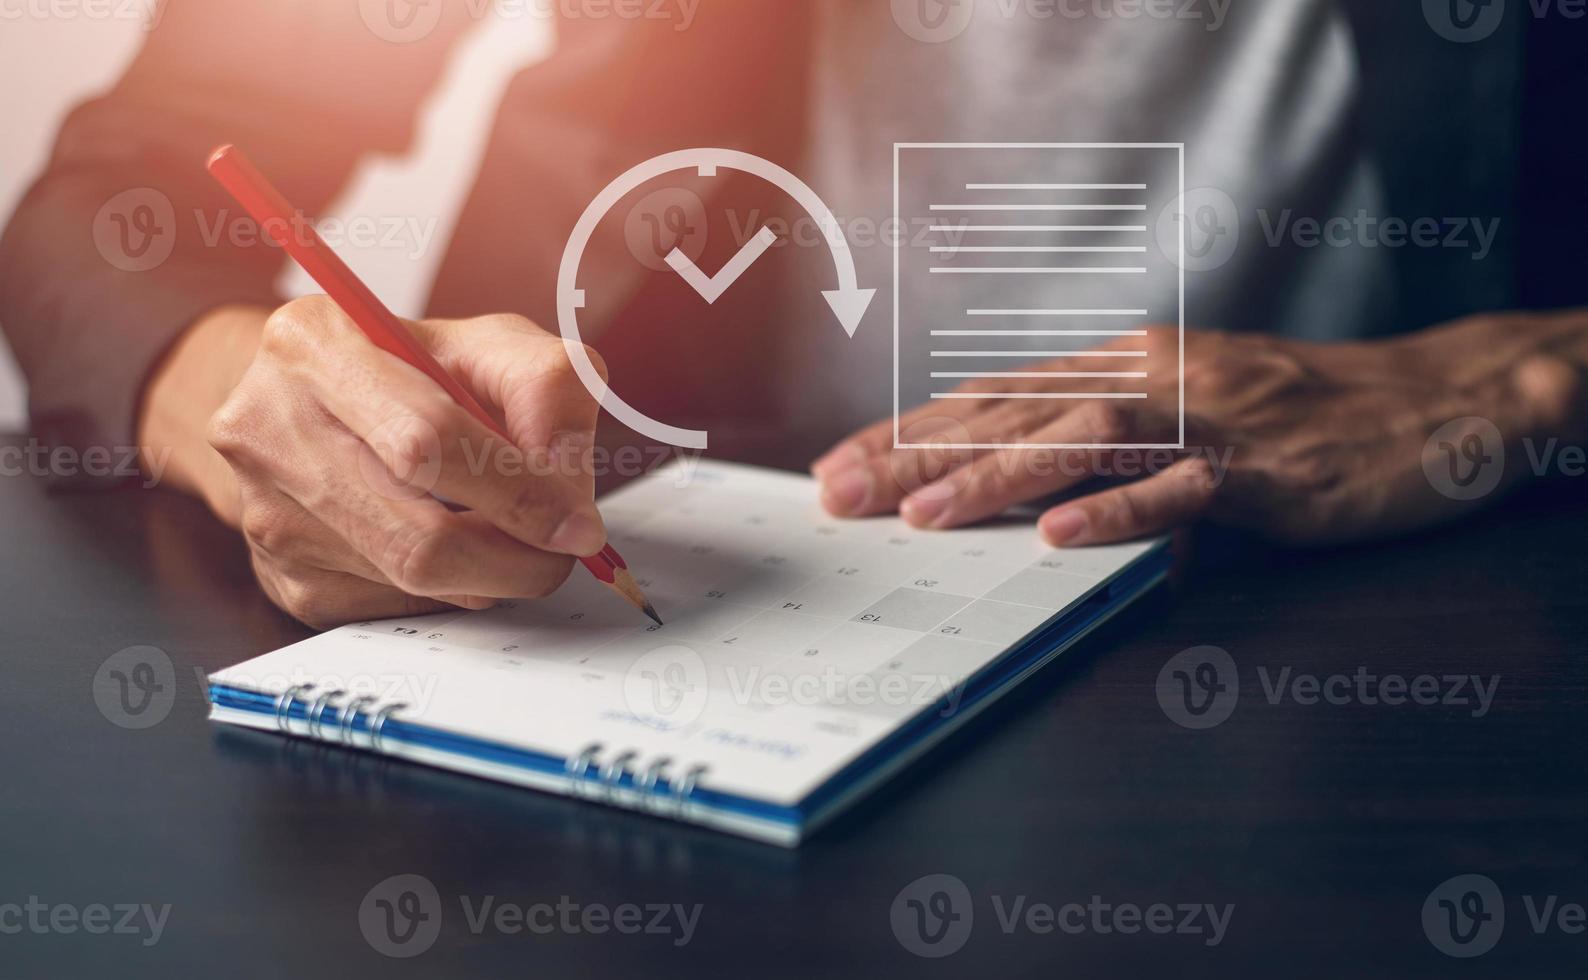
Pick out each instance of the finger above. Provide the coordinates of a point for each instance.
(416, 545)
(424, 443)
(525, 372)
(382, 541)
(323, 599)
(1179, 495)
(1000, 479)
(937, 446)
(877, 439)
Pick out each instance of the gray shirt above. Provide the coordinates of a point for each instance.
(1261, 94)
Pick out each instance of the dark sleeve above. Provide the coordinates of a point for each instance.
(124, 240)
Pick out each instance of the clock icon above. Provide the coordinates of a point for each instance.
(848, 302)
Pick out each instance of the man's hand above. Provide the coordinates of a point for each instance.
(336, 453)
(1303, 442)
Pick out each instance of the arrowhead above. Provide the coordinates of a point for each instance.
(849, 305)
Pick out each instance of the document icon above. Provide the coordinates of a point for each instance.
(1039, 268)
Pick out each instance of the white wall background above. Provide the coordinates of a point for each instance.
(47, 64)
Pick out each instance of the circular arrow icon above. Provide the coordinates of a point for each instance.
(848, 302)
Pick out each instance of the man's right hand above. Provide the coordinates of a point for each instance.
(335, 453)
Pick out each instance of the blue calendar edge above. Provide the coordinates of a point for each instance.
(916, 735)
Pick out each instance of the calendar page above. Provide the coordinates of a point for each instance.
(792, 640)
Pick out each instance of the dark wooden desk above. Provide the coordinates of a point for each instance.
(1327, 826)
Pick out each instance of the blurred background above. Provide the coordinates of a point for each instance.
(48, 63)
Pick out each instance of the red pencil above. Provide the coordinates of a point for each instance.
(235, 172)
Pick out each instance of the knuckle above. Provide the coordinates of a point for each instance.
(415, 558)
(1106, 423)
(596, 361)
(554, 575)
(265, 528)
(1199, 473)
(227, 431)
(414, 440)
(1551, 389)
(296, 326)
(1124, 510)
(1309, 472)
(299, 599)
(529, 510)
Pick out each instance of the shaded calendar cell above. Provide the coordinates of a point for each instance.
(986, 621)
(912, 609)
(1047, 590)
(835, 597)
(929, 672)
(944, 660)
(851, 648)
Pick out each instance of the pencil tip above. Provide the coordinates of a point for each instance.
(650, 611)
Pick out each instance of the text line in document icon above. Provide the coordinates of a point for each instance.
(1037, 282)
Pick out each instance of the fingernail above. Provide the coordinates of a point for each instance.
(924, 511)
(846, 491)
(1064, 526)
(578, 534)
